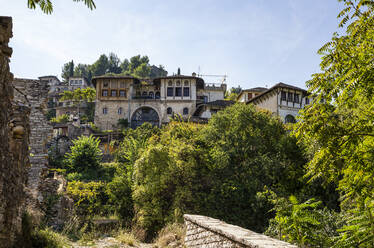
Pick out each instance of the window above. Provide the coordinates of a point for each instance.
(186, 83)
(178, 83)
(157, 95)
(170, 91)
(306, 100)
(283, 96)
(122, 93)
(151, 94)
(178, 91)
(80, 82)
(249, 95)
(296, 98)
(113, 93)
(114, 85)
(169, 111)
(104, 92)
(105, 111)
(170, 83)
(120, 111)
(290, 97)
(185, 111)
(105, 85)
(122, 85)
(144, 93)
(186, 91)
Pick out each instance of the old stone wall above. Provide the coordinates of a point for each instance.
(34, 93)
(14, 133)
(207, 232)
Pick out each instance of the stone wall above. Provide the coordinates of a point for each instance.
(34, 93)
(207, 232)
(14, 133)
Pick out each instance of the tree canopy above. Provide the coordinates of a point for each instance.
(338, 126)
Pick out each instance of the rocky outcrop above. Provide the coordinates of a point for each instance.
(207, 232)
(14, 154)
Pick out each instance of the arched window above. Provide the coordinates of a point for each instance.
(186, 83)
(290, 119)
(144, 93)
(169, 110)
(120, 110)
(185, 111)
(178, 83)
(170, 83)
(105, 110)
(157, 95)
(151, 94)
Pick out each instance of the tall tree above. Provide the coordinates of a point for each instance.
(338, 126)
(114, 64)
(125, 65)
(101, 66)
(67, 70)
(47, 7)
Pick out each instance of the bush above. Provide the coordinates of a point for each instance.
(85, 155)
(60, 119)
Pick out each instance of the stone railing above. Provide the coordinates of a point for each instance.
(208, 232)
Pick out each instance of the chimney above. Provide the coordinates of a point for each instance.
(179, 71)
(194, 74)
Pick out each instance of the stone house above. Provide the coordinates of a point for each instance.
(150, 100)
(246, 95)
(69, 107)
(282, 100)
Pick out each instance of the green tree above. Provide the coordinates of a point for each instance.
(233, 93)
(79, 96)
(101, 66)
(338, 126)
(68, 70)
(125, 65)
(85, 155)
(142, 71)
(47, 7)
(194, 168)
(114, 64)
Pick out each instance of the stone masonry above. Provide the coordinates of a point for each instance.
(34, 93)
(14, 133)
(206, 232)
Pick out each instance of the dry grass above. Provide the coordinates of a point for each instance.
(127, 238)
(171, 235)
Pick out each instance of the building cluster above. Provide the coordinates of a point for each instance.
(134, 101)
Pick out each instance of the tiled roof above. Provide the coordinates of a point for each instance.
(278, 85)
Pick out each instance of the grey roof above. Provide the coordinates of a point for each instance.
(256, 89)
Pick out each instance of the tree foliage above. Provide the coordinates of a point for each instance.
(85, 154)
(137, 66)
(186, 167)
(47, 7)
(338, 126)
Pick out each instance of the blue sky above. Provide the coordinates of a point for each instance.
(254, 42)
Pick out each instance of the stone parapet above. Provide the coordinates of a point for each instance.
(206, 232)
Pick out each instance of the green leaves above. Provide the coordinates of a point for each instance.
(47, 7)
(338, 126)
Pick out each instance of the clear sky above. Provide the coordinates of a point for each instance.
(254, 42)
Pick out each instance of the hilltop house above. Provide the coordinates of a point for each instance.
(283, 100)
(248, 94)
(151, 100)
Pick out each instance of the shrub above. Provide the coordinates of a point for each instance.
(85, 155)
(60, 119)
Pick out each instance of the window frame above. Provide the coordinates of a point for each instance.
(178, 90)
(170, 91)
(186, 90)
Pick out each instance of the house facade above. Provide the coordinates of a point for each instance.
(282, 100)
(155, 101)
(248, 94)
